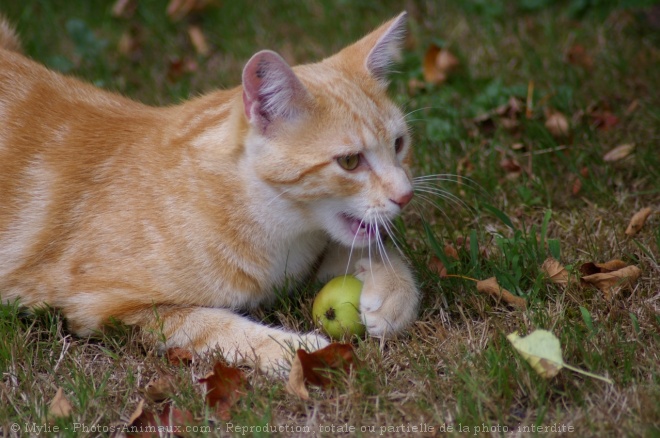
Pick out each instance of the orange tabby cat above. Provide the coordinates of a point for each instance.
(173, 218)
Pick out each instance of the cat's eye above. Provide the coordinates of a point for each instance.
(398, 145)
(349, 162)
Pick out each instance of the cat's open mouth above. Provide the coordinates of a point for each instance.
(359, 228)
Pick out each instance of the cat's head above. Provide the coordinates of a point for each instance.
(327, 138)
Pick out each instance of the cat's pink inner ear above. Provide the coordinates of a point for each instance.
(271, 90)
(387, 48)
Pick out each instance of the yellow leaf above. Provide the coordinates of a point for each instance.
(541, 349)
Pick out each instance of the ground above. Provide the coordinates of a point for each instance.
(520, 187)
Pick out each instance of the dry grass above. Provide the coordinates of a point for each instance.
(454, 368)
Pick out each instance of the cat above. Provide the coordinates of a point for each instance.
(175, 219)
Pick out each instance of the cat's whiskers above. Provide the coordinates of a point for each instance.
(350, 253)
(380, 243)
(275, 198)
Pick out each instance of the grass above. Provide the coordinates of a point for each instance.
(454, 370)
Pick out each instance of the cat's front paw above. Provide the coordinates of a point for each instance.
(275, 355)
(389, 298)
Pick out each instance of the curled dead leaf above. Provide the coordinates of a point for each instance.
(435, 265)
(611, 283)
(619, 153)
(557, 124)
(555, 272)
(637, 221)
(178, 9)
(438, 63)
(577, 55)
(59, 405)
(144, 423)
(590, 268)
(198, 40)
(224, 387)
(179, 356)
(320, 367)
(491, 287)
(159, 389)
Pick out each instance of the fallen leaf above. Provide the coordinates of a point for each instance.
(177, 9)
(144, 423)
(577, 55)
(510, 165)
(557, 124)
(619, 153)
(542, 350)
(159, 389)
(492, 288)
(577, 186)
(450, 251)
(59, 406)
(590, 268)
(198, 40)
(604, 120)
(319, 368)
(224, 387)
(435, 265)
(611, 283)
(179, 356)
(637, 221)
(555, 271)
(124, 8)
(438, 63)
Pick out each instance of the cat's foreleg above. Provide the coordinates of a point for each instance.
(390, 299)
(240, 339)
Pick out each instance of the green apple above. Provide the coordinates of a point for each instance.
(336, 307)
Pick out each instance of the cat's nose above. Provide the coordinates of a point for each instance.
(403, 199)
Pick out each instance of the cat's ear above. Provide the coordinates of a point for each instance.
(271, 90)
(375, 53)
(387, 47)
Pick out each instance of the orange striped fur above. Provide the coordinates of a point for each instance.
(173, 218)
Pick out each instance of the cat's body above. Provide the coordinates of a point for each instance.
(168, 218)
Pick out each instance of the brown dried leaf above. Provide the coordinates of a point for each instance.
(577, 186)
(620, 152)
(611, 283)
(637, 221)
(557, 124)
(124, 8)
(179, 356)
(159, 389)
(59, 406)
(435, 265)
(198, 40)
(590, 268)
(577, 55)
(604, 120)
(450, 251)
(177, 9)
(492, 288)
(147, 424)
(555, 271)
(224, 387)
(510, 165)
(319, 368)
(437, 64)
